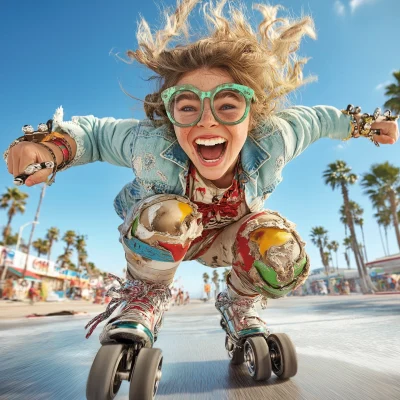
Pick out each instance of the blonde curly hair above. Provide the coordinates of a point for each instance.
(264, 60)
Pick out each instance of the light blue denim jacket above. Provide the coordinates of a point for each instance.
(161, 166)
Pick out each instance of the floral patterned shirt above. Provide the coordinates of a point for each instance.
(219, 206)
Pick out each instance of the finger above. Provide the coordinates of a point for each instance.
(383, 139)
(38, 177)
(388, 128)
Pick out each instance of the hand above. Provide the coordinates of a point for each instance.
(26, 153)
(389, 131)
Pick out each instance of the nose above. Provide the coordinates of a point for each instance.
(207, 119)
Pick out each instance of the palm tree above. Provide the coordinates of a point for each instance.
(11, 239)
(393, 90)
(206, 277)
(52, 235)
(215, 280)
(69, 239)
(226, 273)
(319, 237)
(65, 258)
(15, 201)
(383, 218)
(80, 246)
(41, 246)
(347, 243)
(379, 203)
(91, 269)
(384, 180)
(33, 227)
(339, 176)
(335, 247)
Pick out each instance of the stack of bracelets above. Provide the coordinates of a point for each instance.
(363, 125)
(44, 134)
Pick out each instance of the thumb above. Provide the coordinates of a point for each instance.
(38, 177)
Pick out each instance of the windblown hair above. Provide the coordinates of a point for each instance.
(264, 60)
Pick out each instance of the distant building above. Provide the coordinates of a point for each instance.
(385, 265)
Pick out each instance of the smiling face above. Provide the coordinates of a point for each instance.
(212, 147)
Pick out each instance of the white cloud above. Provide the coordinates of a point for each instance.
(354, 4)
(339, 7)
(382, 85)
(339, 147)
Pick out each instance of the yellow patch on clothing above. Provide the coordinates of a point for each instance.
(185, 210)
(268, 237)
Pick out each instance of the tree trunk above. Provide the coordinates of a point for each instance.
(6, 231)
(337, 263)
(364, 286)
(387, 240)
(365, 246)
(393, 209)
(346, 256)
(48, 256)
(321, 253)
(33, 228)
(383, 243)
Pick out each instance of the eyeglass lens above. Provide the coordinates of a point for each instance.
(229, 106)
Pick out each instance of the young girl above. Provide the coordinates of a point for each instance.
(210, 153)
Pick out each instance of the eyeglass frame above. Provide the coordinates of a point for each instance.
(247, 93)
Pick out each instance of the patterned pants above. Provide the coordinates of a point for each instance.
(265, 251)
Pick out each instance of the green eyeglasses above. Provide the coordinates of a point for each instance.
(230, 103)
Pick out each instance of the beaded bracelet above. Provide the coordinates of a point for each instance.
(363, 127)
(55, 168)
(66, 151)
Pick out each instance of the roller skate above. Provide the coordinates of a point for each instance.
(249, 341)
(127, 341)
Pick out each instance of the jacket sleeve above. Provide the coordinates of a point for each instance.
(300, 126)
(99, 139)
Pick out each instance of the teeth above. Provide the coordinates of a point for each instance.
(210, 142)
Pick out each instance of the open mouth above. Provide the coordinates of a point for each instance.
(211, 150)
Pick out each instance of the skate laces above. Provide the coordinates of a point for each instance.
(131, 292)
(243, 308)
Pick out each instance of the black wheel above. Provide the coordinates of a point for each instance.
(257, 358)
(283, 355)
(236, 354)
(103, 382)
(146, 375)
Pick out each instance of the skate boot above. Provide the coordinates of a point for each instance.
(127, 340)
(239, 316)
(142, 306)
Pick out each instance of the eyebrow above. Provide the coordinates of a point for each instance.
(186, 96)
(227, 93)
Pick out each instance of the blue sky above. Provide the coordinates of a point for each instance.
(61, 53)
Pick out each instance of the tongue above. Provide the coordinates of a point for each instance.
(211, 152)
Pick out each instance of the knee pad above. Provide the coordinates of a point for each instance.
(272, 255)
(163, 227)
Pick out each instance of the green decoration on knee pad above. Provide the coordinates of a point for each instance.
(134, 226)
(269, 276)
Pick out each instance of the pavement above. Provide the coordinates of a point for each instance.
(23, 309)
(347, 349)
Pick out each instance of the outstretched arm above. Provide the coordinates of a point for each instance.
(301, 126)
(90, 139)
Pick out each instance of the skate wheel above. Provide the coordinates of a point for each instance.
(236, 354)
(257, 359)
(283, 355)
(146, 375)
(103, 382)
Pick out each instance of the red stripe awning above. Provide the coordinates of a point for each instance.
(29, 274)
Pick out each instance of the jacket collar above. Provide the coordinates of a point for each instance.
(253, 156)
(175, 153)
